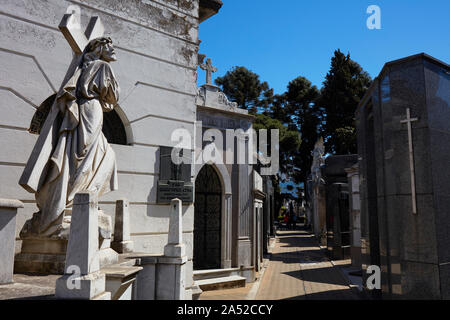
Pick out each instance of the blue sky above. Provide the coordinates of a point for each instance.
(280, 40)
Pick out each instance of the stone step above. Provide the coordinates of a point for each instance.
(119, 280)
(215, 273)
(221, 283)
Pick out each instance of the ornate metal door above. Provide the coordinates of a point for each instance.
(207, 220)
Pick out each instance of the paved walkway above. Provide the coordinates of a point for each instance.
(299, 270)
(227, 294)
(30, 287)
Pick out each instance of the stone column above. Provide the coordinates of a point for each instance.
(175, 246)
(8, 213)
(122, 240)
(82, 278)
(315, 211)
(355, 209)
(227, 235)
(171, 268)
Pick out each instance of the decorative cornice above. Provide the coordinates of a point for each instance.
(208, 8)
(10, 203)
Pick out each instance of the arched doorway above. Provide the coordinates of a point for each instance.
(207, 219)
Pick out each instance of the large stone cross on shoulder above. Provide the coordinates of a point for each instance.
(78, 39)
(70, 27)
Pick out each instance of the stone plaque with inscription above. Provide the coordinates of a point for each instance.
(170, 189)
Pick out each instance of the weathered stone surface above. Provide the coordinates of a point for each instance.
(82, 250)
(92, 287)
(156, 43)
(210, 69)
(122, 240)
(156, 71)
(82, 278)
(40, 263)
(170, 279)
(146, 278)
(175, 246)
(107, 256)
(30, 287)
(8, 212)
(120, 281)
(88, 74)
(105, 228)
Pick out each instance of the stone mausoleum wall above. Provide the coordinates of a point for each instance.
(412, 248)
(156, 43)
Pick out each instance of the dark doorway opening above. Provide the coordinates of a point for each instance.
(207, 220)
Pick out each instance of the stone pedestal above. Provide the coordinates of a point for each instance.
(122, 240)
(41, 256)
(175, 246)
(48, 255)
(8, 212)
(171, 270)
(170, 278)
(146, 278)
(82, 277)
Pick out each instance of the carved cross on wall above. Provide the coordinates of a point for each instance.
(70, 27)
(408, 122)
(209, 70)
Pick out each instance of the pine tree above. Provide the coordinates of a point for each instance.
(306, 116)
(243, 86)
(343, 88)
(290, 140)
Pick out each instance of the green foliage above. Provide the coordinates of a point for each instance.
(344, 86)
(303, 113)
(345, 140)
(306, 117)
(290, 140)
(244, 87)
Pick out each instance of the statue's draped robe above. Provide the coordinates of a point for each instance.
(72, 154)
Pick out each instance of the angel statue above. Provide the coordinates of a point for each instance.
(71, 153)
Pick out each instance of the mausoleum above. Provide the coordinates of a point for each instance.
(403, 127)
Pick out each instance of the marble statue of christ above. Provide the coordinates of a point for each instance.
(72, 154)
